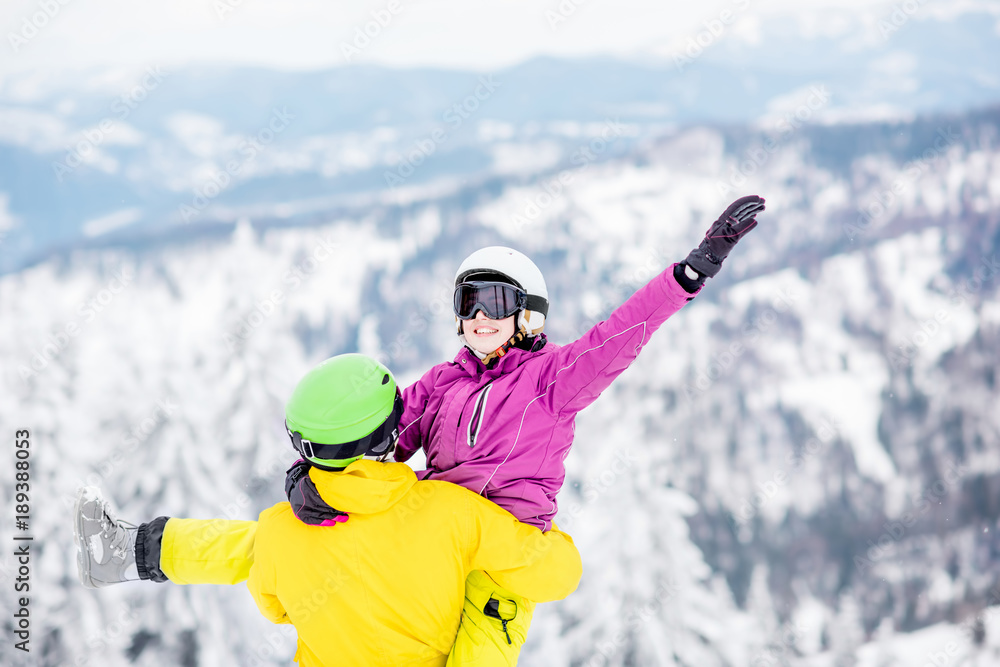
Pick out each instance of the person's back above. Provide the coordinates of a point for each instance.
(386, 587)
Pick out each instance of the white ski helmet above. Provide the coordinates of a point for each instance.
(509, 265)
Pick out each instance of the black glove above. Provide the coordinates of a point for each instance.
(720, 238)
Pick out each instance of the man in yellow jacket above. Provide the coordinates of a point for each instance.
(387, 586)
(368, 563)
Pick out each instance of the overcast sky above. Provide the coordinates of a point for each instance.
(57, 37)
(308, 34)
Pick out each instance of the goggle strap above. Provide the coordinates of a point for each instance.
(538, 304)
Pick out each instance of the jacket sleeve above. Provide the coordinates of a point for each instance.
(262, 583)
(207, 551)
(539, 566)
(577, 373)
(414, 404)
(555, 574)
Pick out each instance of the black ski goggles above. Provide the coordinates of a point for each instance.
(497, 300)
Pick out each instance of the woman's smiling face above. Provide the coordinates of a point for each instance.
(485, 335)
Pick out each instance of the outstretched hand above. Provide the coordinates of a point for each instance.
(720, 238)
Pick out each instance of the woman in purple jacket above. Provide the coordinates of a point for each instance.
(498, 419)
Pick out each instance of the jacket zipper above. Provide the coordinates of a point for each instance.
(476, 423)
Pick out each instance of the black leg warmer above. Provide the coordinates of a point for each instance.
(147, 549)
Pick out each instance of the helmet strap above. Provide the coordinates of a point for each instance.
(503, 349)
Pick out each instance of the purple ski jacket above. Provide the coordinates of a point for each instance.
(504, 431)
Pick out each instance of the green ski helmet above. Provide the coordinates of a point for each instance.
(347, 407)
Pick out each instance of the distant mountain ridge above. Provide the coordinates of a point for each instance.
(135, 153)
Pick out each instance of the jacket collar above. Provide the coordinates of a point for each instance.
(364, 487)
(467, 360)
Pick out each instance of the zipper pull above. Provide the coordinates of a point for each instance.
(492, 609)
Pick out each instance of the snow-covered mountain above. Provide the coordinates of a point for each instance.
(802, 469)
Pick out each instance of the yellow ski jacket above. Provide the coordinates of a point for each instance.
(386, 587)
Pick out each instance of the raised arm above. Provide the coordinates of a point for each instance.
(580, 371)
(577, 373)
